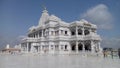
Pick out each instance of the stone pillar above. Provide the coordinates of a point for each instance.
(49, 32)
(83, 31)
(90, 31)
(76, 31)
(76, 46)
(24, 47)
(99, 48)
(38, 34)
(59, 32)
(59, 47)
(42, 32)
(31, 50)
(38, 47)
(60, 50)
(83, 46)
(41, 49)
(92, 46)
(27, 48)
(49, 47)
(69, 47)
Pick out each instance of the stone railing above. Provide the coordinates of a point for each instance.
(85, 37)
(62, 37)
(89, 37)
(78, 37)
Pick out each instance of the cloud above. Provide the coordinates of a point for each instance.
(100, 16)
(11, 41)
(111, 42)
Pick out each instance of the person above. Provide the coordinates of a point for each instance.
(105, 53)
(119, 53)
(112, 54)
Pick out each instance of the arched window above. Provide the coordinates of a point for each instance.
(65, 32)
(88, 47)
(86, 32)
(72, 33)
(79, 32)
(65, 47)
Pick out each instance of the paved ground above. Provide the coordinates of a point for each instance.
(61, 61)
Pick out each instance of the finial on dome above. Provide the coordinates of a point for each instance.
(44, 8)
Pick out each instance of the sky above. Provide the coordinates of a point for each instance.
(17, 16)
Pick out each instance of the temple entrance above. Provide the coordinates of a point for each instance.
(88, 47)
(73, 47)
(80, 47)
(36, 48)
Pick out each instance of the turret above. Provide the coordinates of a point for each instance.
(44, 17)
(7, 46)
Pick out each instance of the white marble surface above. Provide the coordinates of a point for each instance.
(73, 61)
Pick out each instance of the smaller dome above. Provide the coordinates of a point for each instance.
(54, 18)
(94, 26)
(84, 21)
(32, 28)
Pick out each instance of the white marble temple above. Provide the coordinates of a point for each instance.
(54, 36)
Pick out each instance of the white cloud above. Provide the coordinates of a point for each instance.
(100, 16)
(111, 42)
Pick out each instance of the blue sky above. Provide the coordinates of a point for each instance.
(16, 16)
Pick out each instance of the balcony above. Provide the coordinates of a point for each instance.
(85, 37)
(27, 39)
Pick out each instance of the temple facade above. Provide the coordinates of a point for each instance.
(54, 36)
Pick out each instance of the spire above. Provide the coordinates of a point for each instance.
(7, 46)
(44, 9)
(44, 17)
